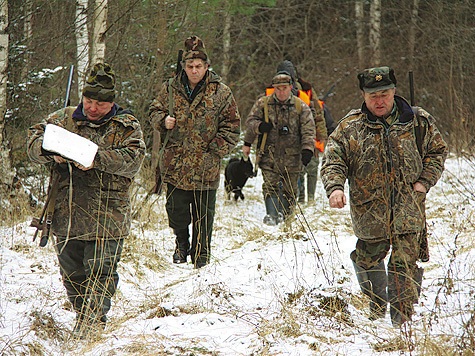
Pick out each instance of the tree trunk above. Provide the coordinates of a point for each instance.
(28, 35)
(98, 37)
(226, 41)
(412, 33)
(375, 32)
(6, 170)
(359, 14)
(82, 49)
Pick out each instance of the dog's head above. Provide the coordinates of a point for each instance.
(247, 167)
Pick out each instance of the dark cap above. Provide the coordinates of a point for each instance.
(100, 85)
(288, 66)
(194, 48)
(282, 78)
(377, 79)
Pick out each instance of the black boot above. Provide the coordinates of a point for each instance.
(403, 293)
(182, 246)
(373, 283)
(272, 206)
(287, 206)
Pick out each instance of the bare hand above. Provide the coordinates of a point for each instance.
(419, 187)
(337, 199)
(169, 122)
(59, 159)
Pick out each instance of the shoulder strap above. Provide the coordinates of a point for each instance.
(298, 105)
(419, 129)
(266, 109)
(69, 118)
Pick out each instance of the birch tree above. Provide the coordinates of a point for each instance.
(360, 42)
(6, 170)
(375, 32)
(82, 47)
(98, 43)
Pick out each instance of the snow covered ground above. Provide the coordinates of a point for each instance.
(285, 290)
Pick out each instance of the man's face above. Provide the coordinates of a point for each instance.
(94, 109)
(282, 91)
(380, 103)
(195, 70)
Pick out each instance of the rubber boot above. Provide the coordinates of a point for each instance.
(403, 293)
(182, 242)
(311, 186)
(373, 283)
(287, 206)
(272, 210)
(301, 186)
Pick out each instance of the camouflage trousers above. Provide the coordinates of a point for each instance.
(196, 207)
(404, 254)
(285, 183)
(89, 273)
(404, 276)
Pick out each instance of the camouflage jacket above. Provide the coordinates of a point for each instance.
(291, 133)
(100, 204)
(382, 163)
(206, 129)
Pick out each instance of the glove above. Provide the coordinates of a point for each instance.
(265, 127)
(306, 156)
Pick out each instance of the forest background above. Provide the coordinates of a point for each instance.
(329, 41)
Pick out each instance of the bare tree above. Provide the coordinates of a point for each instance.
(82, 49)
(6, 170)
(226, 40)
(360, 43)
(412, 32)
(98, 43)
(375, 32)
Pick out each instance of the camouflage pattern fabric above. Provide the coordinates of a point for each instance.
(283, 149)
(405, 250)
(206, 130)
(100, 84)
(381, 165)
(194, 48)
(100, 204)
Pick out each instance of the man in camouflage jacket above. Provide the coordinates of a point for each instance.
(290, 142)
(202, 128)
(391, 158)
(92, 208)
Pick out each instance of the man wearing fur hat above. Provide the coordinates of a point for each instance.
(91, 215)
(392, 155)
(198, 127)
(288, 126)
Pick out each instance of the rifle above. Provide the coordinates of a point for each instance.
(263, 138)
(329, 91)
(424, 243)
(157, 189)
(44, 222)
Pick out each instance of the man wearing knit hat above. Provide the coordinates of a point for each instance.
(392, 155)
(288, 126)
(91, 215)
(199, 123)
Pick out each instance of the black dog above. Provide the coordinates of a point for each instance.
(236, 174)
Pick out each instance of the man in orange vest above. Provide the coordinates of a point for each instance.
(305, 90)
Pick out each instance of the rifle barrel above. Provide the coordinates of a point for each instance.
(411, 87)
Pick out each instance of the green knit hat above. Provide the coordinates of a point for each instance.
(100, 84)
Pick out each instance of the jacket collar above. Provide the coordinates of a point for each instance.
(405, 111)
